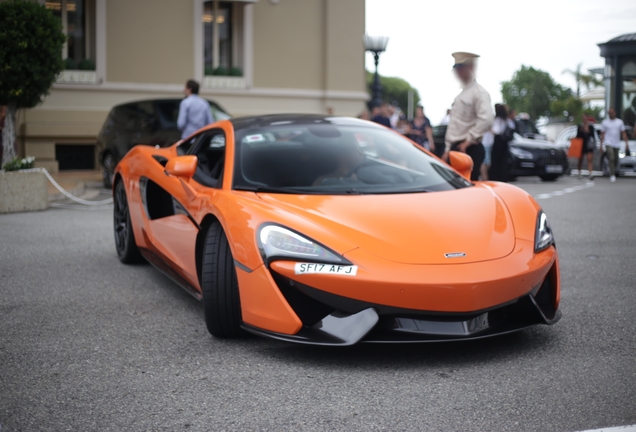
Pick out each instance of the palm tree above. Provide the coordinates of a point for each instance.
(588, 80)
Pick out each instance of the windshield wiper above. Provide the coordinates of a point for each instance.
(271, 189)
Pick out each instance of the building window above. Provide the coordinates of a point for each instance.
(222, 38)
(78, 23)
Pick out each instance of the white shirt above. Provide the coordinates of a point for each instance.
(471, 117)
(445, 120)
(499, 125)
(613, 130)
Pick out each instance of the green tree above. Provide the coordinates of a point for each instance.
(394, 89)
(582, 79)
(31, 41)
(532, 91)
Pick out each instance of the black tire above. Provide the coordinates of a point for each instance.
(108, 169)
(125, 244)
(219, 285)
(549, 177)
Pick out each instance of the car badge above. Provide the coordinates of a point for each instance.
(455, 255)
(551, 152)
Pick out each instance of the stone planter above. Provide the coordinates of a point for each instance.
(24, 190)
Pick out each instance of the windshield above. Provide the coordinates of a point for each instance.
(336, 159)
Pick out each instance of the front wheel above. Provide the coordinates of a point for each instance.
(219, 285)
(127, 249)
(550, 177)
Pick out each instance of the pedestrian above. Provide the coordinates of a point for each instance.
(611, 131)
(194, 112)
(472, 115)
(364, 115)
(586, 133)
(487, 141)
(380, 114)
(446, 118)
(394, 114)
(421, 131)
(502, 132)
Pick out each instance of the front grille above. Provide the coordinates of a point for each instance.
(557, 159)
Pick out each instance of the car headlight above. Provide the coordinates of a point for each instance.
(276, 242)
(622, 154)
(543, 237)
(521, 154)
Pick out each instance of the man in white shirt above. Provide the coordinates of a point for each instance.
(472, 114)
(611, 131)
(194, 112)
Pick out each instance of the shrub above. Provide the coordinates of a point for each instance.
(236, 71)
(70, 64)
(31, 41)
(86, 64)
(222, 71)
(20, 163)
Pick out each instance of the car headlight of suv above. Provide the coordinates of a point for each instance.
(521, 154)
(544, 237)
(277, 242)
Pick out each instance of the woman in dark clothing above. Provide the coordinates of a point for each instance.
(586, 133)
(500, 164)
(421, 131)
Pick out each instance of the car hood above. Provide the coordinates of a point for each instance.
(471, 224)
(534, 144)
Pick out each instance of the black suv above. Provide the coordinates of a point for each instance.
(528, 157)
(150, 122)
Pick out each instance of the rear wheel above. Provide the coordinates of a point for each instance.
(108, 169)
(219, 285)
(127, 249)
(549, 177)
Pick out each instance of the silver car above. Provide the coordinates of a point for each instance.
(626, 164)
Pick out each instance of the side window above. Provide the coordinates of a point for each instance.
(146, 116)
(210, 152)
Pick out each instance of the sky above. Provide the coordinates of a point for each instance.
(549, 35)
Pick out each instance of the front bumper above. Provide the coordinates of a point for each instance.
(348, 321)
(327, 318)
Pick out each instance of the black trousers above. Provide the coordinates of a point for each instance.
(500, 161)
(477, 153)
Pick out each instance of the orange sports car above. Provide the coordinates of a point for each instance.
(334, 231)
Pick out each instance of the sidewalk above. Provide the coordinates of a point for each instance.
(78, 183)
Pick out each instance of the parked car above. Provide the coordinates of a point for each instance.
(526, 127)
(626, 164)
(149, 122)
(528, 156)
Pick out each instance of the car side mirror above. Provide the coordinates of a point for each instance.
(182, 166)
(461, 162)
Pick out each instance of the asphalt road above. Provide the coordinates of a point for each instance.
(87, 343)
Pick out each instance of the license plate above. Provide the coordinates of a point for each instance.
(554, 168)
(326, 269)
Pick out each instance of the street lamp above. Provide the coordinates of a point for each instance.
(376, 45)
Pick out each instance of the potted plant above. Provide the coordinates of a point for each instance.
(31, 41)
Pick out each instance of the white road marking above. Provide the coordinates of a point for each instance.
(548, 195)
(630, 428)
